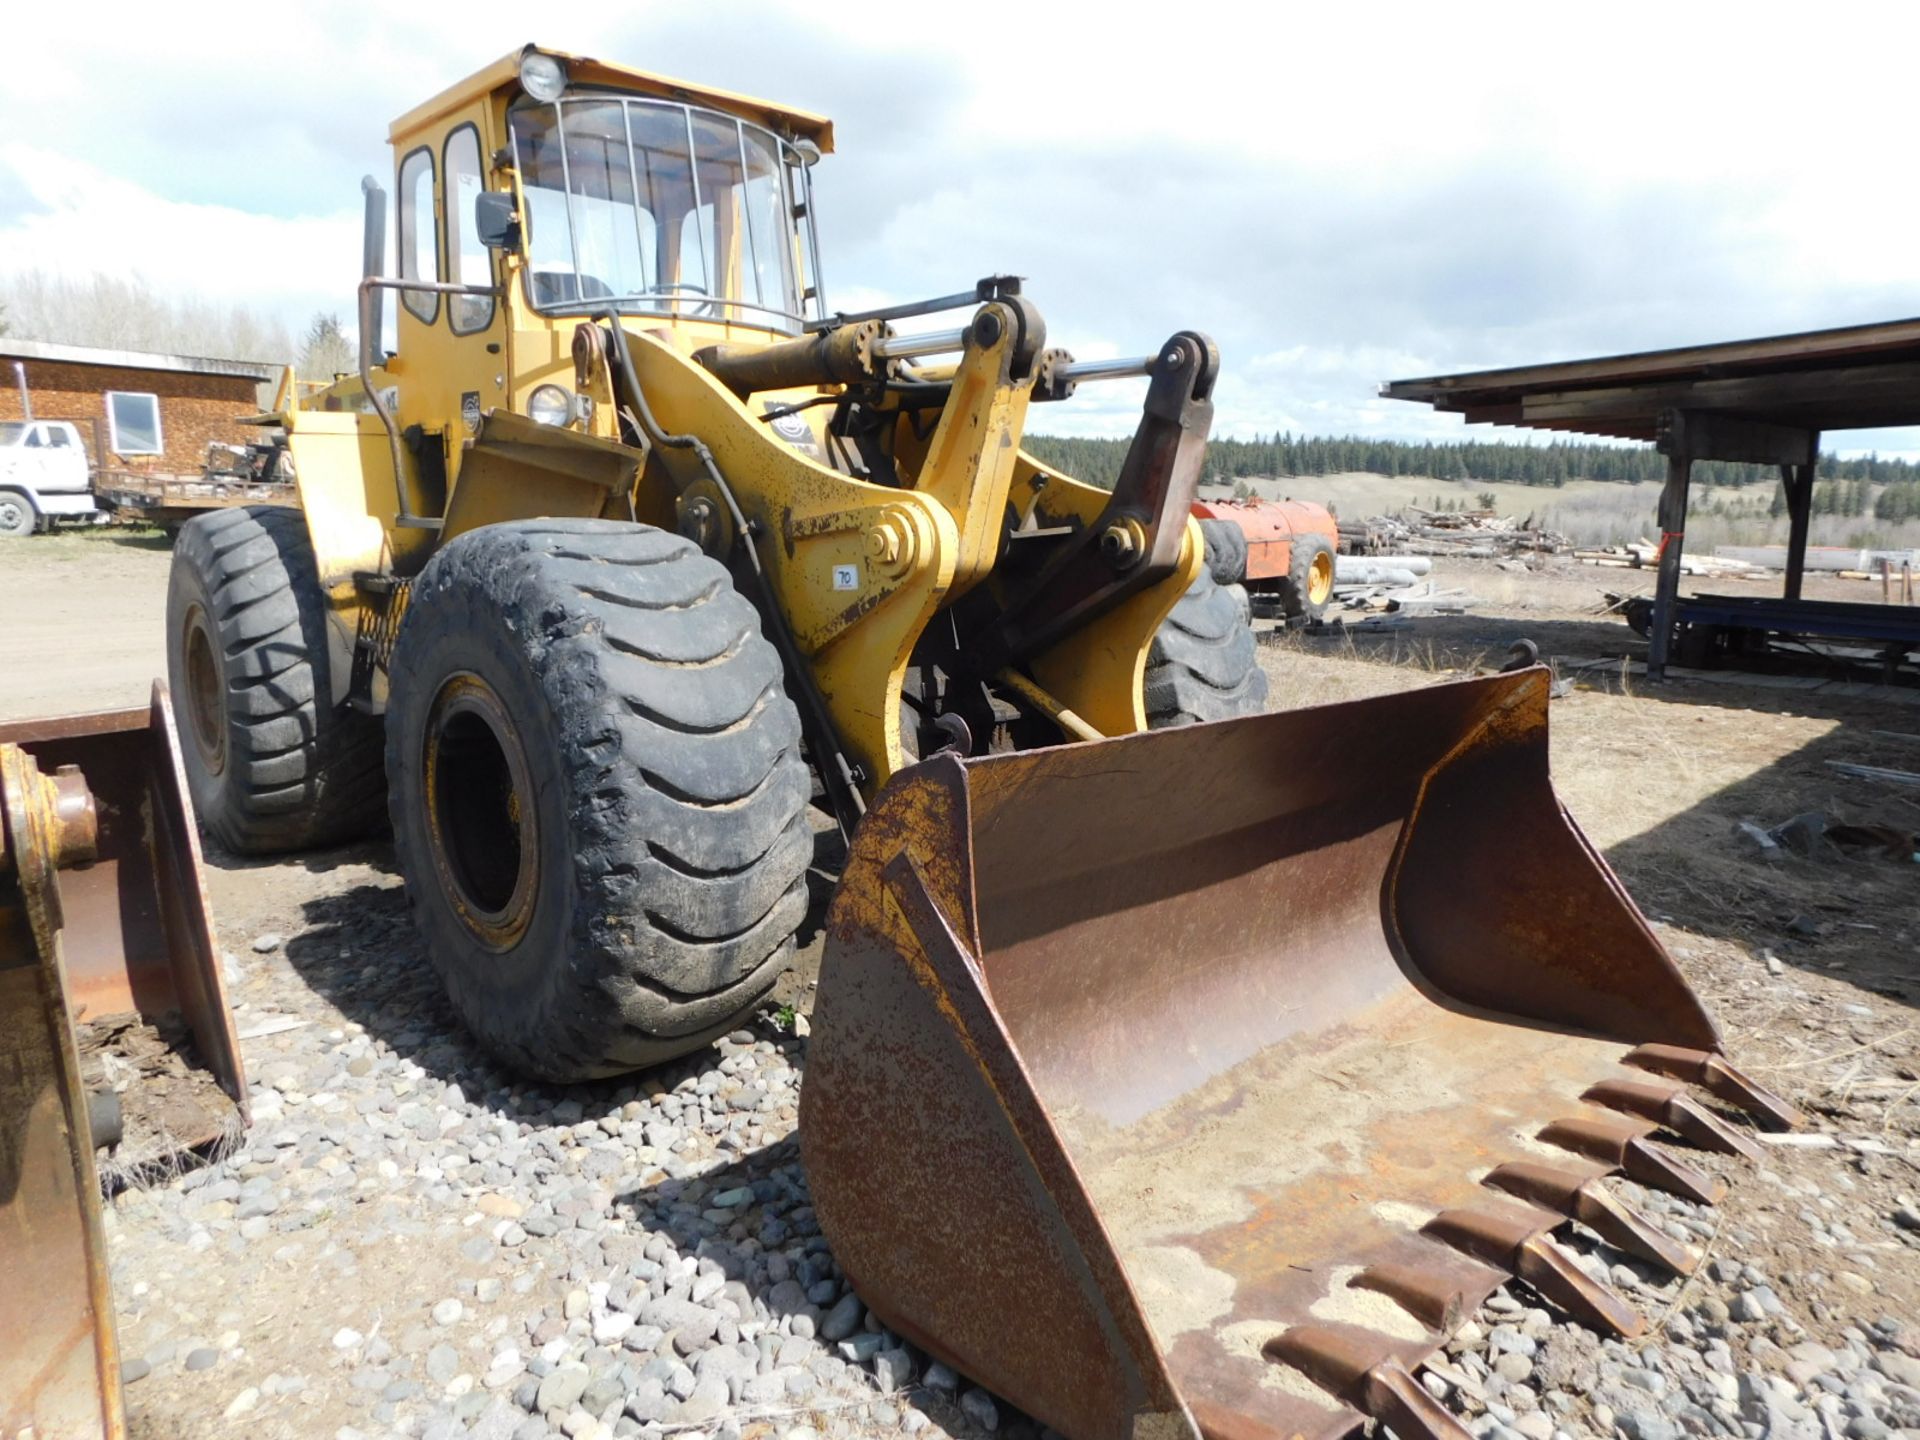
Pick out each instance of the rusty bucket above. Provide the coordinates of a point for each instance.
(1197, 1082)
(102, 915)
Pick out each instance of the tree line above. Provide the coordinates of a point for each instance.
(127, 312)
(1097, 461)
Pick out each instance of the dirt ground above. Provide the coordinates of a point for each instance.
(1810, 964)
(82, 621)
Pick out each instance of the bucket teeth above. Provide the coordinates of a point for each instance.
(1581, 1197)
(1359, 1367)
(1551, 1271)
(1671, 1106)
(1520, 1246)
(1434, 1299)
(1713, 1074)
(1623, 1145)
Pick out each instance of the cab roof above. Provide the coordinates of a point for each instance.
(583, 70)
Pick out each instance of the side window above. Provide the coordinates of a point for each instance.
(134, 421)
(419, 234)
(56, 437)
(35, 439)
(472, 265)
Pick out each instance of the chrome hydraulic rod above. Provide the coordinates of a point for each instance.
(1077, 371)
(904, 347)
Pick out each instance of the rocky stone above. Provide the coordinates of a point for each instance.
(561, 1390)
(843, 1319)
(978, 1406)
(1902, 1369)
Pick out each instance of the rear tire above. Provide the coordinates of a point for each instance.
(597, 793)
(1202, 665)
(274, 763)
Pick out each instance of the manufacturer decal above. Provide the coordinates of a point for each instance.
(792, 428)
(470, 410)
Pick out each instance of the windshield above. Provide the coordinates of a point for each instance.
(11, 431)
(660, 208)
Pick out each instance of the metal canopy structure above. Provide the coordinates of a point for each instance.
(1764, 401)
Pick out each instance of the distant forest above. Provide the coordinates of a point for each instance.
(1281, 455)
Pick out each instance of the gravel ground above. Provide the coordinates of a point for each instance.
(474, 1255)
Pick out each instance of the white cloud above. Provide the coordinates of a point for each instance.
(78, 220)
(1341, 195)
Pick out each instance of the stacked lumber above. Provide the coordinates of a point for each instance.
(1645, 555)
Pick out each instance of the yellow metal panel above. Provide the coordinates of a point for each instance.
(519, 469)
(1098, 671)
(859, 569)
(969, 464)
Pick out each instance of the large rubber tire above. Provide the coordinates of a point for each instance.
(1202, 665)
(1308, 588)
(275, 761)
(1226, 546)
(597, 792)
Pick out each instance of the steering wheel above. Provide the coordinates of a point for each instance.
(677, 286)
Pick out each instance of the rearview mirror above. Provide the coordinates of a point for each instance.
(494, 221)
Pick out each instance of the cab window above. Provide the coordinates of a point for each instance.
(419, 234)
(472, 265)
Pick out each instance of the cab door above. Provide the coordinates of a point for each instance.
(452, 364)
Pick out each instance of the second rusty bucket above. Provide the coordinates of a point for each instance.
(1197, 1082)
(117, 1050)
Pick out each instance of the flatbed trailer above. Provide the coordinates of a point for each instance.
(172, 500)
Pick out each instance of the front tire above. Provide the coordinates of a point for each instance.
(18, 517)
(597, 794)
(274, 760)
(1202, 665)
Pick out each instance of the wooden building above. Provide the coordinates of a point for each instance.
(135, 410)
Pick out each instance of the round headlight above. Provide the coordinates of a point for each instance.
(542, 76)
(551, 405)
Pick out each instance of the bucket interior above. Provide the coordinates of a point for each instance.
(1288, 987)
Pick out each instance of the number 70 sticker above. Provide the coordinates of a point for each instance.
(846, 577)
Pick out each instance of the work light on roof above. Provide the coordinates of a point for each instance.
(542, 76)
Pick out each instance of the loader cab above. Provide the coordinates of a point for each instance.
(551, 188)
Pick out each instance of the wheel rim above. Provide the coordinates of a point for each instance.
(1320, 578)
(482, 824)
(206, 714)
(12, 517)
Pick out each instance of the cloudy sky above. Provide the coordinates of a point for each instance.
(1339, 194)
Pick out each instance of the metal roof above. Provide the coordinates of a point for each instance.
(1856, 377)
(11, 349)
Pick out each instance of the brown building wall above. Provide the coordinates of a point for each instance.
(195, 409)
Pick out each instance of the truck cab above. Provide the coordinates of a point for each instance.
(44, 475)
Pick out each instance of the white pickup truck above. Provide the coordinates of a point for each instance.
(44, 476)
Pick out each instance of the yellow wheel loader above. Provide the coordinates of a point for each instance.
(1169, 1083)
